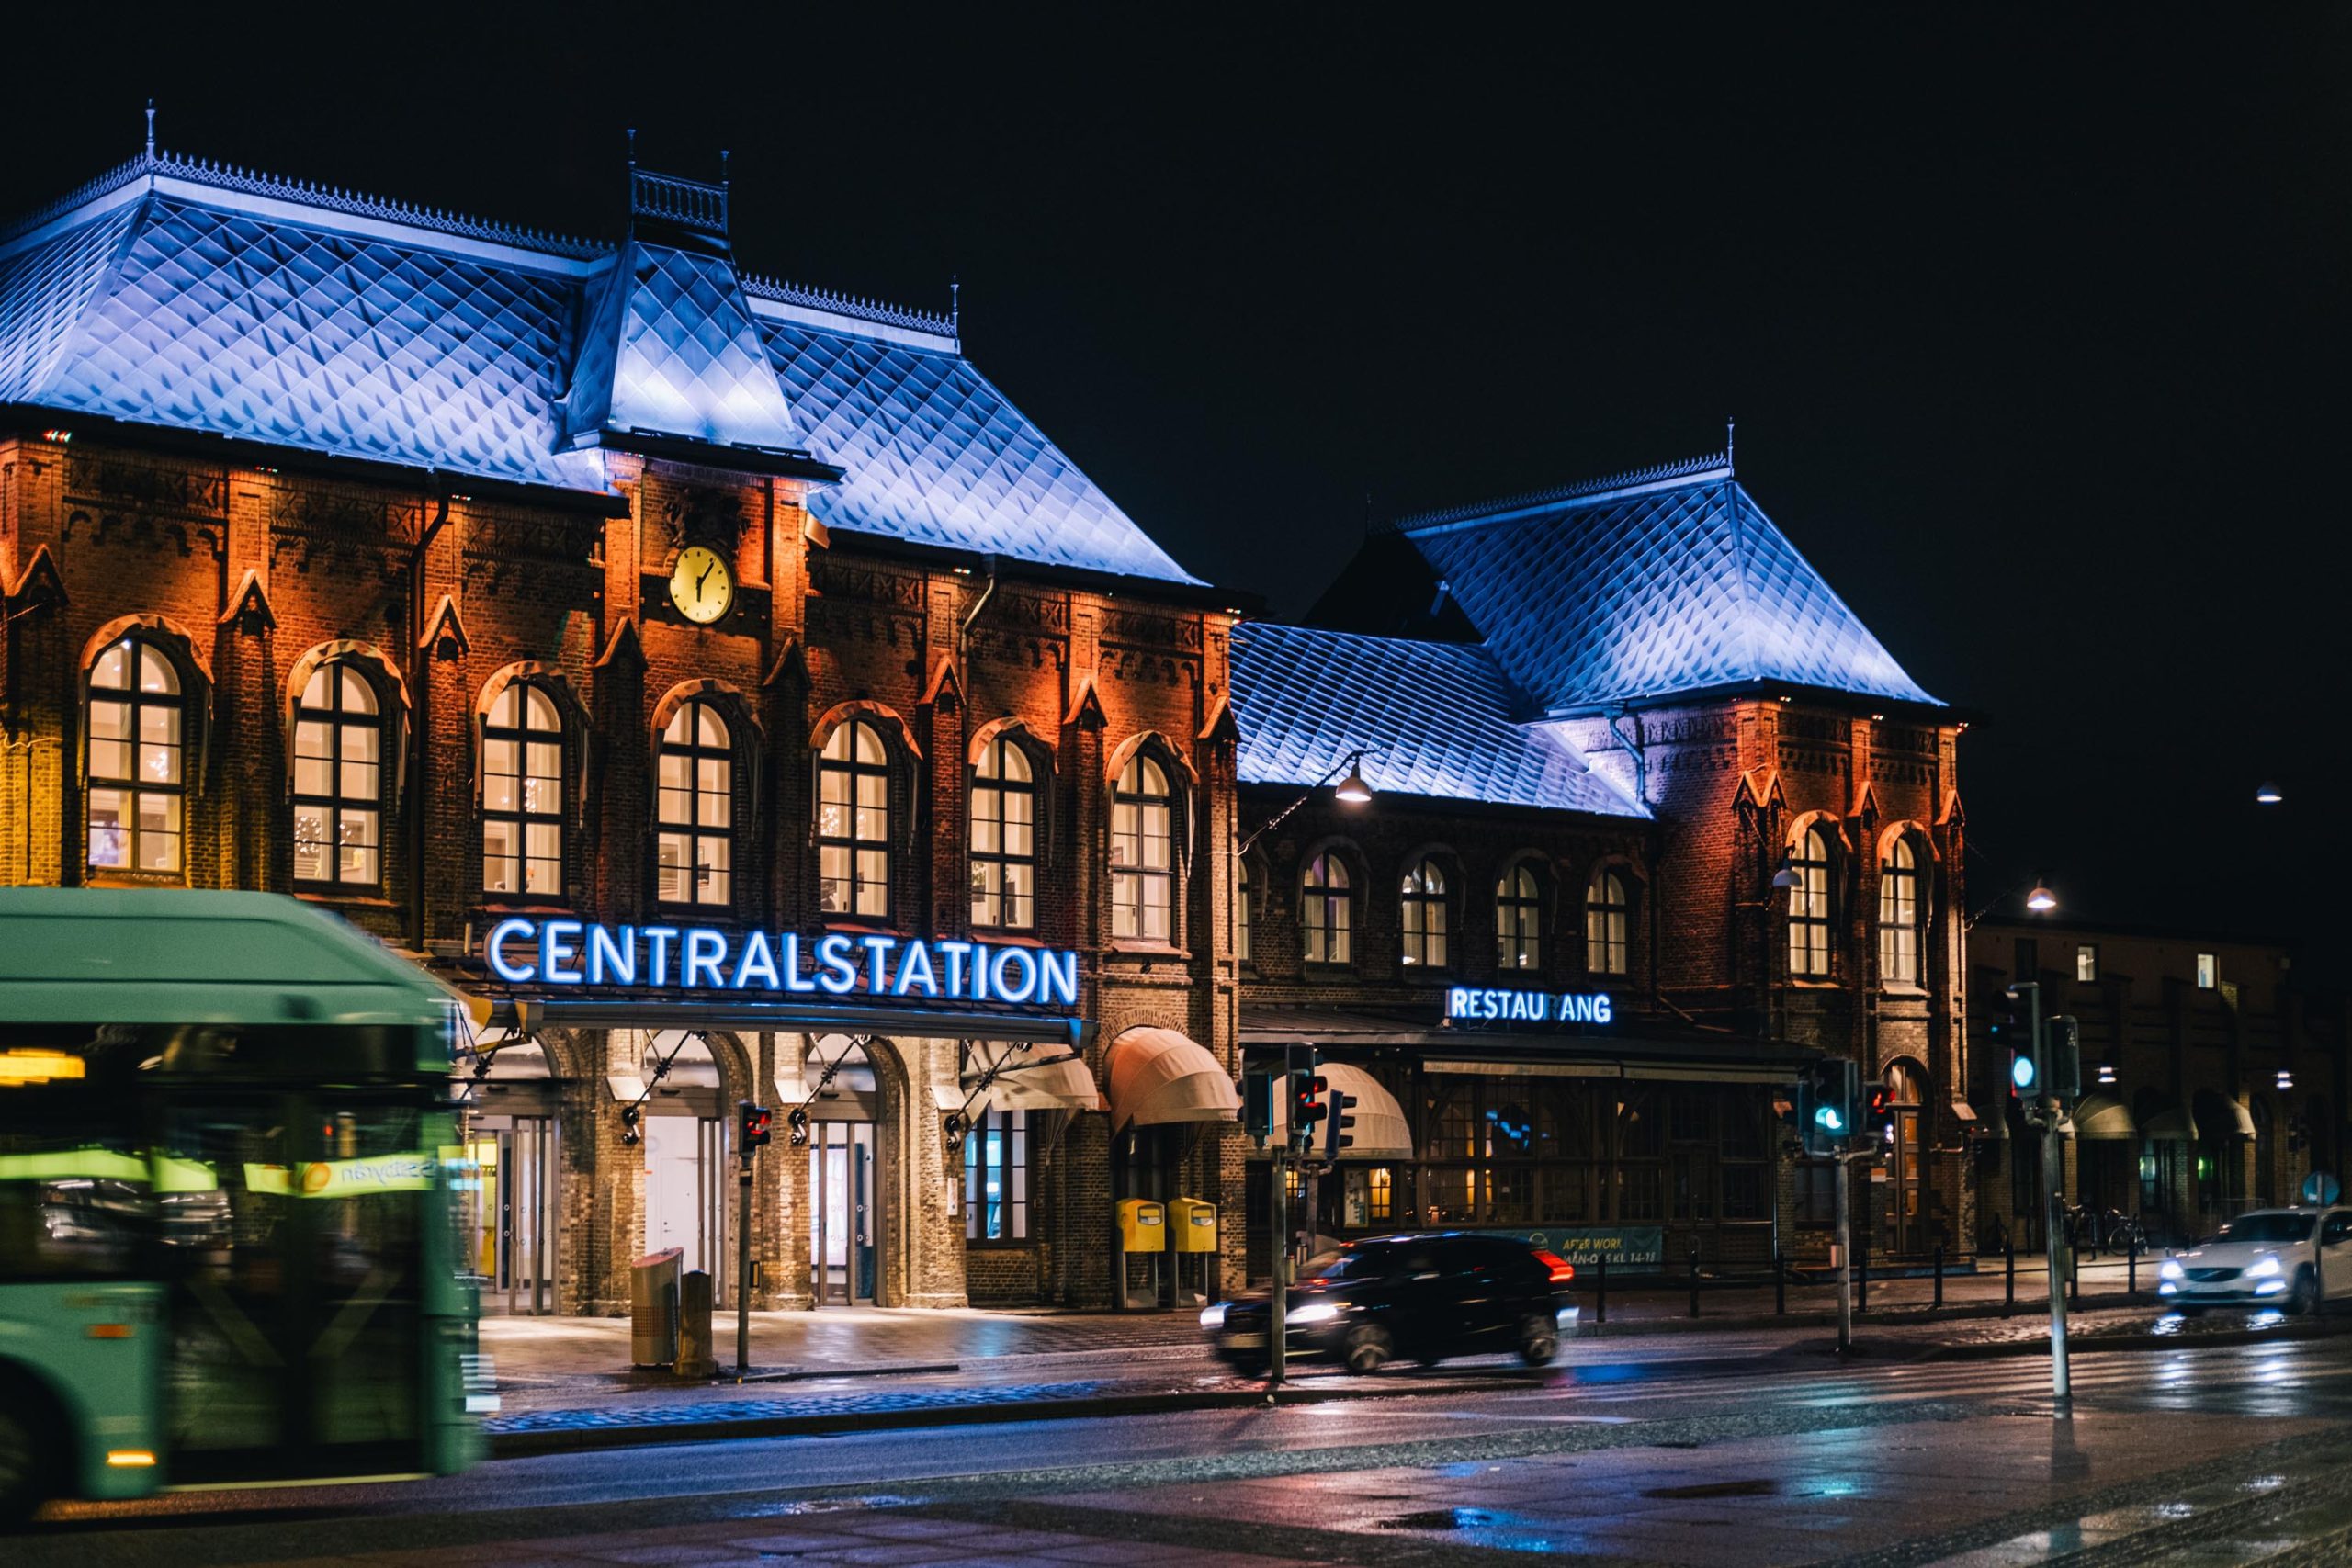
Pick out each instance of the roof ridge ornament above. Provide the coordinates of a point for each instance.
(1704, 466)
(151, 128)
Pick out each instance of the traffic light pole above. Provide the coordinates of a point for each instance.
(2053, 1171)
(1278, 1313)
(1844, 1258)
(744, 1263)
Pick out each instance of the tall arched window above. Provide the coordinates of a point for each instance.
(1142, 852)
(853, 822)
(1241, 913)
(338, 780)
(522, 794)
(1809, 907)
(1898, 915)
(1004, 839)
(1423, 897)
(695, 805)
(1608, 924)
(1518, 919)
(137, 767)
(1323, 912)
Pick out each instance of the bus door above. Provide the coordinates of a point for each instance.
(296, 1318)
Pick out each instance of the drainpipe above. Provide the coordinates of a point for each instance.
(963, 626)
(420, 702)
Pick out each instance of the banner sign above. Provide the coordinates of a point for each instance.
(696, 958)
(1465, 1005)
(344, 1178)
(1625, 1246)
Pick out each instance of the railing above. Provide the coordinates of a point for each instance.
(694, 203)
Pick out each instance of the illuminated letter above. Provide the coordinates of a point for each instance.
(1601, 1010)
(979, 972)
(1028, 986)
(757, 962)
(1458, 1003)
(557, 945)
(658, 939)
(1059, 981)
(793, 979)
(834, 970)
(877, 946)
(955, 951)
(612, 962)
(706, 950)
(914, 969)
(494, 949)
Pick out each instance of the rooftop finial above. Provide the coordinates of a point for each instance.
(956, 308)
(632, 147)
(151, 128)
(1731, 427)
(722, 165)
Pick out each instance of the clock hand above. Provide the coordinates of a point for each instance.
(705, 573)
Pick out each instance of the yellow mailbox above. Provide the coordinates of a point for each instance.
(1194, 1222)
(1143, 1226)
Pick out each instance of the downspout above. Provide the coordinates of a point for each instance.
(1635, 745)
(420, 702)
(963, 626)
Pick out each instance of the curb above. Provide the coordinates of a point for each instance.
(2088, 1343)
(1588, 1329)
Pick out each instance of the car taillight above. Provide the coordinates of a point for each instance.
(1559, 1267)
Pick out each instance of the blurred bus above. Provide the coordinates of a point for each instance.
(228, 1248)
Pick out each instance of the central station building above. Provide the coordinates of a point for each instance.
(725, 686)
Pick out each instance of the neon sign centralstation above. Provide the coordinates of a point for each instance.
(698, 958)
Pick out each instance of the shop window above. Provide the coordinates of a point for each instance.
(1809, 908)
(1518, 919)
(1142, 852)
(853, 822)
(2086, 962)
(1324, 910)
(1608, 924)
(1241, 909)
(1004, 839)
(1423, 894)
(522, 794)
(996, 1177)
(1898, 915)
(696, 807)
(136, 761)
(338, 781)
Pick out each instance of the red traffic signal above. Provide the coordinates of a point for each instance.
(1306, 1106)
(758, 1122)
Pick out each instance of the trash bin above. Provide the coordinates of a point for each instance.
(653, 1308)
(698, 1357)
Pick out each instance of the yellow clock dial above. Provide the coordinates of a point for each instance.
(700, 585)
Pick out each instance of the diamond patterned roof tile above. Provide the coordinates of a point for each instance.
(1432, 718)
(673, 349)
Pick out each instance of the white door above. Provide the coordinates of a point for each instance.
(674, 1188)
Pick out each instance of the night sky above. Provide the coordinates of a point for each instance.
(2035, 330)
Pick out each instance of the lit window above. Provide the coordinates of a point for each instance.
(853, 822)
(522, 794)
(2207, 971)
(996, 1177)
(1324, 910)
(2087, 962)
(1004, 839)
(1142, 852)
(137, 778)
(695, 852)
(338, 780)
(1241, 911)
(1809, 908)
(1423, 894)
(1898, 915)
(1608, 924)
(1518, 917)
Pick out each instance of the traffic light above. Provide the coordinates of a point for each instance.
(1880, 1109)
(756, 1122)
(1828, 1103)
(1258, 1104)
(2062, 1058)
(1336, 1136)
(1308, 1106)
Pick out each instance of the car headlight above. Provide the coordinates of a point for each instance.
(2264, 1269)
(2170, 1270)
(1313, 1312)
(1212, 1317)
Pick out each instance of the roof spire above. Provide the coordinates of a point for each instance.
(1731, 428)
(955, 309)
(632, 147)
(151, 128)
(722, 165)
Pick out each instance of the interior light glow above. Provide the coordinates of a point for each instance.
(130, 1459)
(22, 1067)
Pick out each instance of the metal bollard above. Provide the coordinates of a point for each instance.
(1694, 1279)
(1940, 1275)
(1780, 1286)
(2009, 1273)
(1600, 1293)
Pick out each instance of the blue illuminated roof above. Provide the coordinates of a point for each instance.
(1632, 589)
(183, 294)
(1431, 719)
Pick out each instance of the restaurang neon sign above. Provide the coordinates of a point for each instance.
(697, 958)
(1471, 1005)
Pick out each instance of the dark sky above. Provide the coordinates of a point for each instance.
(2035, 330)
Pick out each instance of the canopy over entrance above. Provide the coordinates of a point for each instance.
(2171, 1126)
(2103, 1116)
(1156, 1076)
(1048, 1076)
(1381, 1131)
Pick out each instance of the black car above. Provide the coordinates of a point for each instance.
(1422, 1298)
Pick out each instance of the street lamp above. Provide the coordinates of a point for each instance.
(2267, 794)
(2041, 900)
(1352, 791)
(1786, 876)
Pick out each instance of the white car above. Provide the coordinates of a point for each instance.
(2291, 1258)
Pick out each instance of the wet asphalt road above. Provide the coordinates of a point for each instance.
(2143, 1418)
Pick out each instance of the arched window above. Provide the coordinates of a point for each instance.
(1518, 918)
(853, 822)
(1898, 915)
(522, 794)
(338, 780)
(1423, 896)
(1323, 911)
(1241, 913)
(1608, 924)
(695, 805)
(1142, 852)
(137, 766)
(1809, 907)
(1004, 839)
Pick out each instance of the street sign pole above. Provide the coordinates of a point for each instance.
(1845, 1257)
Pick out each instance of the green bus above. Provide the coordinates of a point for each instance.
(227, 1239)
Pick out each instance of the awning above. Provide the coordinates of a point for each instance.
(2171, 1126)
(1155, 1077)
(1381, 1131)
(2227, 1118)
(1646, 1047)
(1036, 1077)
(2100, 1116)
(529, 1013)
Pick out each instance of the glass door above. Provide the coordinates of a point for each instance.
(842, 1222)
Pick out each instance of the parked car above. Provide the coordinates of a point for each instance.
(1422, 1298)
(2294, 1258)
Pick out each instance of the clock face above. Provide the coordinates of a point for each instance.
(700, 585)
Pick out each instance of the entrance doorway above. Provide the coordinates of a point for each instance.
(844, 1200)
(685, 1195)
(515, 1222)
(1905, 1161)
